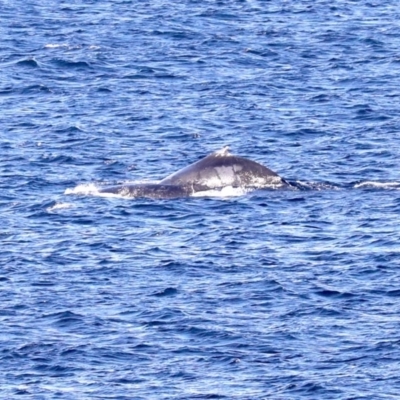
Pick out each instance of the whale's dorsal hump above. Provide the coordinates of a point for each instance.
(221, 169)
(222, 152)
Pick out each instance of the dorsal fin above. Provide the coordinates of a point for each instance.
(223, 152)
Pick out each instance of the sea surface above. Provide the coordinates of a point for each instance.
(274, 294)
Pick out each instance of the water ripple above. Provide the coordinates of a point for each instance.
(241, 295)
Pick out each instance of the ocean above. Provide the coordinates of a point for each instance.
(259, 294)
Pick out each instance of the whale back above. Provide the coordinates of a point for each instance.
(221, 169)
(148, 190)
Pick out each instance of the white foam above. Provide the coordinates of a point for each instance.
(52, 46)
(90, 189)
(84, 189)
(59, 206)
(228, 191)
(68, 46)
(378, 185)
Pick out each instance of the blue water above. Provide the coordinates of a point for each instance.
(262, 295)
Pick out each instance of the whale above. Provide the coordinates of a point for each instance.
(216, 171)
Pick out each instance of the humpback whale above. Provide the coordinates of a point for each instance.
(215, 171)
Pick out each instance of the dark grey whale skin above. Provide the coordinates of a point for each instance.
(148, 190)
(222, 169)
(216, 171)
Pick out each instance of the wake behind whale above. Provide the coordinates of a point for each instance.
(216, 171)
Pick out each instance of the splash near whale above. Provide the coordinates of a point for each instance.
(216, 171)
